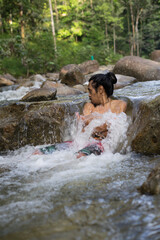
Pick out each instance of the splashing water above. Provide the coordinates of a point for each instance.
(53, 196)
(117, 131)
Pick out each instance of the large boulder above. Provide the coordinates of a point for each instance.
(5, 82)
(145, 130)
(155, 55)
(152, 184)
(141, 69)
(89, 66)
(71, 75)
(34, 123)
(41, 94)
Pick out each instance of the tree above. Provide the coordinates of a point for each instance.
(52, 24)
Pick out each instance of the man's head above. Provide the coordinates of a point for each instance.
(100, 84)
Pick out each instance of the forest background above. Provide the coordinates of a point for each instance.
(39, 36)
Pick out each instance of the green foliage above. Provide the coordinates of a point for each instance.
(13, 66)
(82, 30)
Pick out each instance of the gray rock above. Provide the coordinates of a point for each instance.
(145, 130)
(152, 184)
(41, 94)
(141, 69)
(10, 77)
(89, 66)
(26, 84)
(65, 91)
(62, 89)
(38, 78)
(80, 88)
(52, 76)
(34, 123)
(155, 55)
(71, 75)
(5, 82)
(123, 81)
(51, 84)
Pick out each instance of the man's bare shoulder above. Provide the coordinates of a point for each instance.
(88, 108)
(118, 106)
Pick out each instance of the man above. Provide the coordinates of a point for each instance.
(100, 88)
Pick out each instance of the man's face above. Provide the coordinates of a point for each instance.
(93, 95)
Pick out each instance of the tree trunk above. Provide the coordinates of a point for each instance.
(56, 10)
(22, 24)
(137, 31)
(133, 29)
(52, 24)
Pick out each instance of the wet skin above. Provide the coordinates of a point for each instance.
(100, 103)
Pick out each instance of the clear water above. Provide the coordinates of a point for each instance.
(140, 90)
(58, 196)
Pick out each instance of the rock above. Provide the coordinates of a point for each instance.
(5, 82)
(141, 69)
(51, 84)
(146, 128)
(34, 123)
(123, 81)
(52, 76)
(9, 77)
(155, 55)
(26, 84)
(80, 88)
(71, 75)
(65, 91)
(38, 78)
(152, 184)
(89, 66)
(41, 94)
(62, 89)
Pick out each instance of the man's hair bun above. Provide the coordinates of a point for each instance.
(112, 77)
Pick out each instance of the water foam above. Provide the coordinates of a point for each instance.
(19, 93)
(61, 167)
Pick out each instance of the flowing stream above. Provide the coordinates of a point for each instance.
(60, 197)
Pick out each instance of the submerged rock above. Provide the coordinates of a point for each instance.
(140, 68)
(41, 94)
(34, 123)
(71, 75)
(152, 184)
(146, 128)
